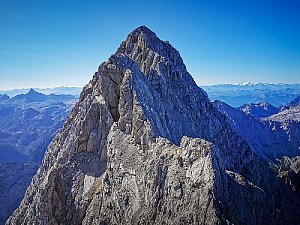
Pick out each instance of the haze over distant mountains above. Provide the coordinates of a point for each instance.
(242, 93)
(236, 95)
(75, 91)
(28, 123)
(271, 132)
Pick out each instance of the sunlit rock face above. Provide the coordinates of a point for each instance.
(145, 146)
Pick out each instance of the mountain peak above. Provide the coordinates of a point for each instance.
(146, 49)
(32, 91)
(143, 119)
(4, 97)
(31, 96)
(144, 30)
(138, 41)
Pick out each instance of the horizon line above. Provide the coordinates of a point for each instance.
(200, 85)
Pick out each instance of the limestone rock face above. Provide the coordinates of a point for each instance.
(145, 146)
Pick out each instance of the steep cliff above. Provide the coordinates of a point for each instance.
(145, 146)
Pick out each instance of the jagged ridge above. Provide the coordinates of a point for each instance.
(122, 157)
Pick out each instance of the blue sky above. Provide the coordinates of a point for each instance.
(62, 42)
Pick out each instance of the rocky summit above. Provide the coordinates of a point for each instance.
(144, 145)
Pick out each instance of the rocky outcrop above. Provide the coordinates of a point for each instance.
(145, 146)
(289, 171)
(291, 113)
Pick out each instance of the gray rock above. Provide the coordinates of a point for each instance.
(163, 154)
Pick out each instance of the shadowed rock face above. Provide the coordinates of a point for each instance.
(145, 146)
(274, 138)
(287, 122)
(271, 137)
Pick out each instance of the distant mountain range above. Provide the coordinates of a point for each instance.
(28, 123)
(75, 91)
(236, 95)
(239, 94)
(272, 133)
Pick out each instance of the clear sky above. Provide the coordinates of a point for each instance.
(62, 42)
